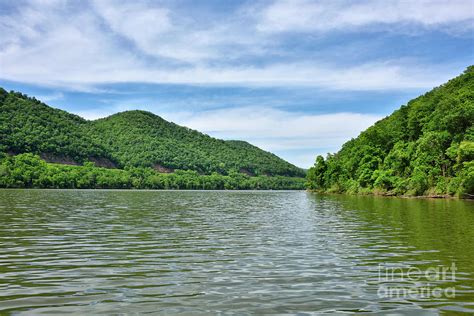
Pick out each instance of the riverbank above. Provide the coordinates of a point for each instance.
(404, 196)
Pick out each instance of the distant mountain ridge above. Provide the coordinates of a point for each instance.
(126, 139)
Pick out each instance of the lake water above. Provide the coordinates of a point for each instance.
(193, 252)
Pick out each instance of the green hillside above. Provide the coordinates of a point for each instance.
(140, 150)
(139, 138)
(29, 126)
(424, 148)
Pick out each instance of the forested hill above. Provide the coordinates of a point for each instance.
(424, 148)
(126, 140)
(138, 138)
(29, 126)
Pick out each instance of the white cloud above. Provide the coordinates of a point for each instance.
(161, 33)
(142, 24)
(48, 64)
(46, 44)
(324, 16)
(50, 97)
(304, 160)
(50, 47)
(269, 122)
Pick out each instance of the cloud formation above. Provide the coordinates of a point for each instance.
(340, 15)
(57, 43)
(268, 123)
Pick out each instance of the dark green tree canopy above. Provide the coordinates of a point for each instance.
(425, 147)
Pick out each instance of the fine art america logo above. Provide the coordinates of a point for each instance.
(416, 283)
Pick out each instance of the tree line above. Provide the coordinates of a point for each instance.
(30, 171)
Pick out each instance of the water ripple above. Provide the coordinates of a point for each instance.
(174, 252)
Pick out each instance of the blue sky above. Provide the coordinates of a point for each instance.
(297, 78)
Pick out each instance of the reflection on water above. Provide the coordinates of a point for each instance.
(207, 252)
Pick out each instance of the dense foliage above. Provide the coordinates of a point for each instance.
(30, 171)
(136, 146)
(27, 125)
(128, 139)
(424, 148)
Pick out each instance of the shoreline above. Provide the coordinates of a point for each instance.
(430, 197)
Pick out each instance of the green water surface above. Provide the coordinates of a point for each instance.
(231, 252)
